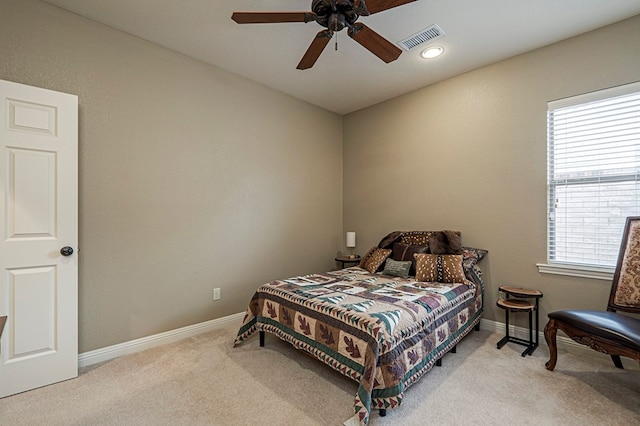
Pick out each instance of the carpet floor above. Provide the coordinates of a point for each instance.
(204, 380)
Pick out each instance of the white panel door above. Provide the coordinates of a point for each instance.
(38, 218)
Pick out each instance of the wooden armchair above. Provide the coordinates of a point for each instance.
(609, 331)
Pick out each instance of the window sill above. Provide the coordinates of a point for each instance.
(576, 271)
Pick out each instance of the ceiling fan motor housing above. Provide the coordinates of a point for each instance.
(335, 14)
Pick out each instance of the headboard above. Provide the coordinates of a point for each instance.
(438, 242)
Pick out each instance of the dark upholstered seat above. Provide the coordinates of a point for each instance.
(609, 331)
(613, 326)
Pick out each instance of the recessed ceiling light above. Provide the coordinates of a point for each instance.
(432, 52)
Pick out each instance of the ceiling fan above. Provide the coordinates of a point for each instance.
(334, 15)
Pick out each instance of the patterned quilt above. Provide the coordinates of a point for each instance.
(383, 332)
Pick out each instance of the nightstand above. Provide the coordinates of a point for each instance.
(516, 303)
(348, 260)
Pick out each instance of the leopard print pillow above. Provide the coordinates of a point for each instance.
(442, 268)
(374, 258)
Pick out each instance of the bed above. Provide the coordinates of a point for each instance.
(383, 323)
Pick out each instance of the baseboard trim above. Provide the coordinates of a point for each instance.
(564, 343)
(86, 359)
(110, 352)
(523, 333)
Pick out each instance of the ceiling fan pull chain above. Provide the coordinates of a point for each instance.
(336, 33)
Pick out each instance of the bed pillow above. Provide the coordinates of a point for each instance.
(415, 238)
(374, 258)
(445, 242)
(442, 268)
(397, 268)
(471, 256)
(403, 252)
(389, 239)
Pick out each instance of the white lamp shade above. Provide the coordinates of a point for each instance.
(351, 239)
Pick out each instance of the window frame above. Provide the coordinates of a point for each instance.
(565, 267)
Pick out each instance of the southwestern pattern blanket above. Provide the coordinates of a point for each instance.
(383, 332)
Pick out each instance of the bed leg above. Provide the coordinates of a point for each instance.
(477, 327)
(439, 362)
(261, 339)
(454, 349)
(383, 412)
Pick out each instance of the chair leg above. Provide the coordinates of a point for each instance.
(550, 332)
(617, 362)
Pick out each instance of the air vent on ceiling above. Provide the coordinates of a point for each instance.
(428, 34)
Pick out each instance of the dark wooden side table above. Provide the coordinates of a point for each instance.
(348, 260)
(514, 301)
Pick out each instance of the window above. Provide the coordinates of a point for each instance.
(593, 175)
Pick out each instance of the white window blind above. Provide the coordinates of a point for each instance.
(593, 174)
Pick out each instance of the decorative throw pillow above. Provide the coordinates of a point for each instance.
(442, 268)
(415, 238)
(445, 242)
(389, 239)
(374, 258)
(471, 256)
(402, 252)
(397, 269)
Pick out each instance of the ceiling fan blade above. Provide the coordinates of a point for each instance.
(374, 42)
(272, 17)
(315, 49)
(375, 6)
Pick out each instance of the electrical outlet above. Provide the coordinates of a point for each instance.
(216, 294)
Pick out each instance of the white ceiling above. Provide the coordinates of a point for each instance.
(477, 33)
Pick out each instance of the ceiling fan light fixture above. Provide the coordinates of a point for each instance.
(432, 52)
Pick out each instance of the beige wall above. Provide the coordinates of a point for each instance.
(193, 178)
(190, 177)
(470, 154)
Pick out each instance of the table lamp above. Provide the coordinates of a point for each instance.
(351, 243)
